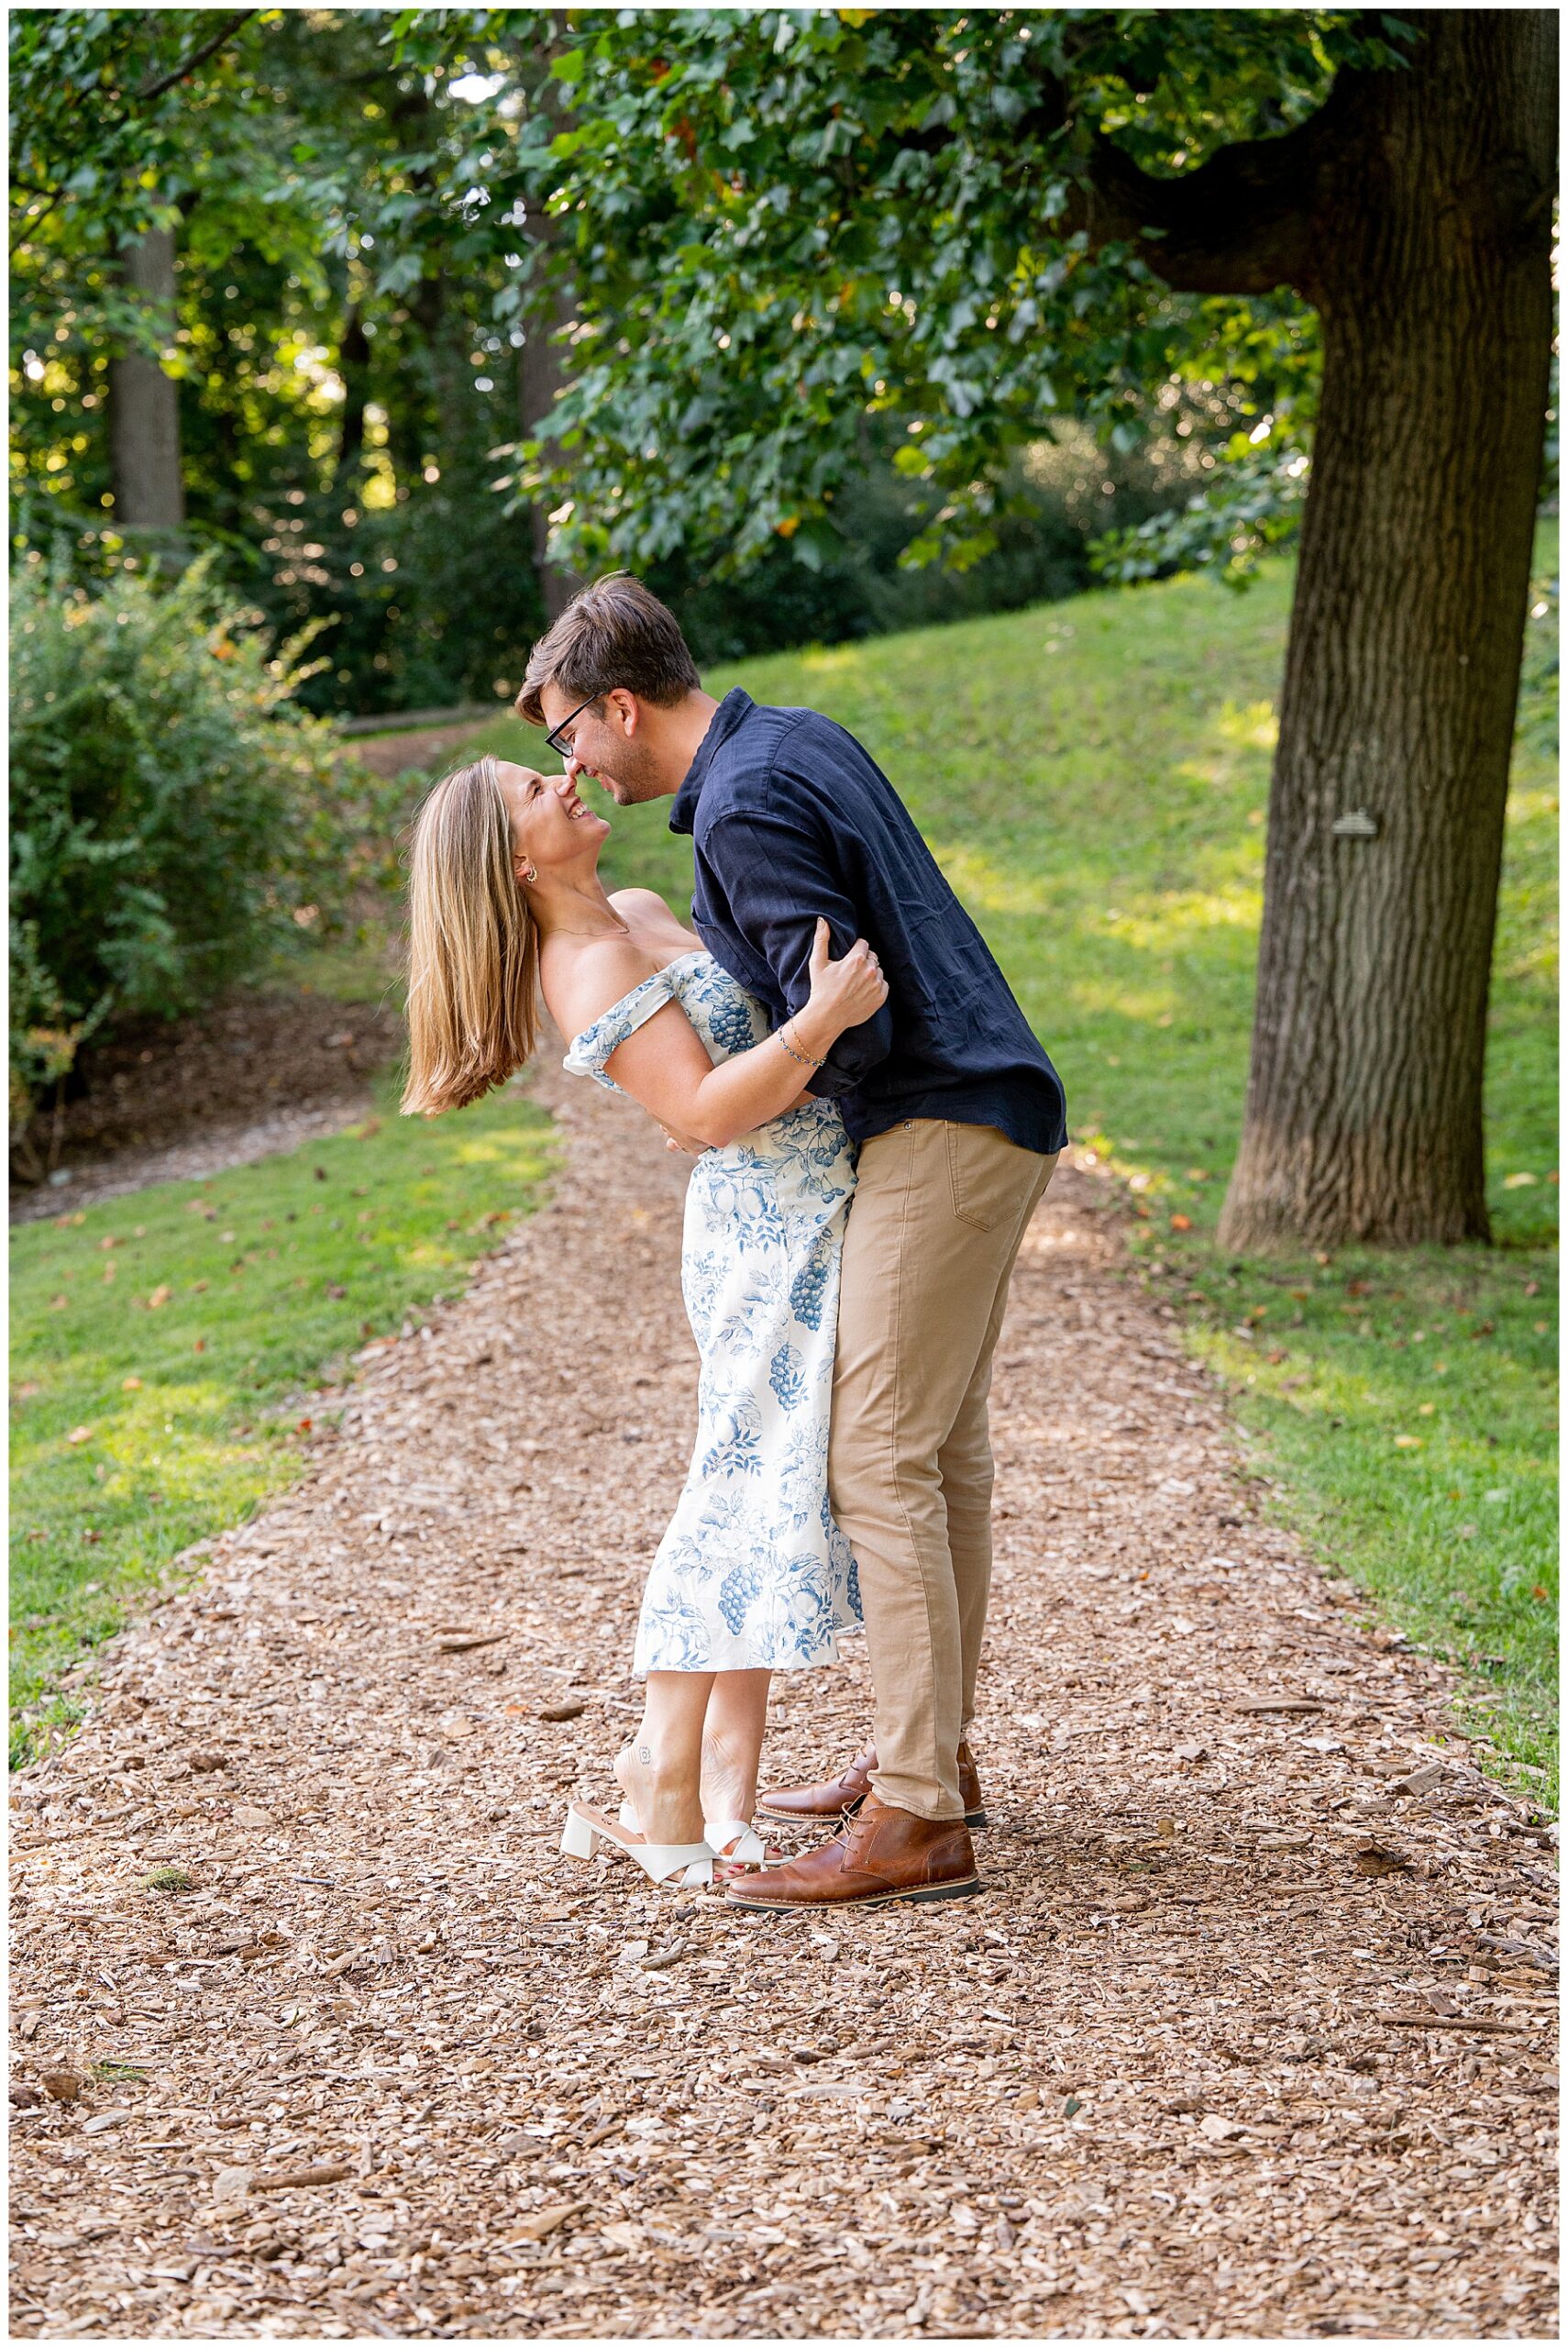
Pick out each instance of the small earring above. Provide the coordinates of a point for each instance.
(527, 874)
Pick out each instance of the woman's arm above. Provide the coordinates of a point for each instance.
(665, 1065)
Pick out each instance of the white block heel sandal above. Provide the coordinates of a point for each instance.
(733, 1839)
(688, 1865)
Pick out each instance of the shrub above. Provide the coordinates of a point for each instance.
(171, 812)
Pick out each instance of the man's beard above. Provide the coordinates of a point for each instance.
(636, 775)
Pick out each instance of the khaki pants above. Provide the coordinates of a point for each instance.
(939, 1213)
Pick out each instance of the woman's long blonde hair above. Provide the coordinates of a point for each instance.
(473, 960)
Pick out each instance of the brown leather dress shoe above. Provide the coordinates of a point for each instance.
(882, 1856)
(820, 1805)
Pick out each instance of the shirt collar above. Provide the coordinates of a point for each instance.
(725, 718)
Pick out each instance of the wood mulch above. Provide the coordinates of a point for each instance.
(1251, 2033)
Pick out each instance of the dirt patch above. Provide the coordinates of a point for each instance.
(251, 1059)
(218, 1148)
(421, 748)
(1251, 2033)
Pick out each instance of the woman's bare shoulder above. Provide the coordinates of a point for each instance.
(622, 898)
(582, 985)
(648, 912)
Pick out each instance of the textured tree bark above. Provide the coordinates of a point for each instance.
(1414, 211)
(144, 402)
(540, 381)
(1431, 268)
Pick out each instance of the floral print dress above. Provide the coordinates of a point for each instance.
(753, 1574)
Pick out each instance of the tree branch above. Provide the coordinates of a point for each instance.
(115, 111)
(1244, 222)
(199, 56)
(37, 220)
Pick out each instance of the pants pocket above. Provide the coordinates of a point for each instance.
(970, 1203)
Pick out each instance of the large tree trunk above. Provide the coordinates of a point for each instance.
(1414, 210)
(1430, 268)
(540, 377)
(144, 402)
(354, 365)
(539, 383)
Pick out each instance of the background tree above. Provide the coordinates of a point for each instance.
(362, 323)
(144, 402)
(968, 224)
(325, 398)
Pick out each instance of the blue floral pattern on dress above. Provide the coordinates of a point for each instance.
(784, 1377)
(753, 1573)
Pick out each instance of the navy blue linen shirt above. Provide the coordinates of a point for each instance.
(792, 819)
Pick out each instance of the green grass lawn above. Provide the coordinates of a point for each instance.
(165, 1347)
(1093, 775)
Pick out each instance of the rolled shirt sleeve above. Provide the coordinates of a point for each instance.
(779, 884)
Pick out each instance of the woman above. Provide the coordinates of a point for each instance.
(753, 1575)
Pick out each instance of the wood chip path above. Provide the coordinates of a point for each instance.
(1251, 2033)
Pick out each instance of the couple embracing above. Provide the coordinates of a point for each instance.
(874, 1123)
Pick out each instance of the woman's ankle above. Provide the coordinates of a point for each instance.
(666, 1799)
(729, 1787)
(649, 1771)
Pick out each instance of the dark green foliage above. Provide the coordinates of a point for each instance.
(424, 603)
(171, 812)
(343, 376)
(1057, 501)
(776, 226)
(362, 253)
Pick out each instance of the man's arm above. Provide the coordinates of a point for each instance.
(780, 883)
(664, 1063)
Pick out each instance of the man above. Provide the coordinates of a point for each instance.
(959, 1116)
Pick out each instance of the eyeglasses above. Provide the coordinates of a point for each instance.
(553, 740)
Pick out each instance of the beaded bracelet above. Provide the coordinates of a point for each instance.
(805, 1058)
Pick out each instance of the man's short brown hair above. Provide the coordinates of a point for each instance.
(614, 633)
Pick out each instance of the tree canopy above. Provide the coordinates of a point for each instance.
(821, 290)
(341, 382)
(782, 230)
(380, 214)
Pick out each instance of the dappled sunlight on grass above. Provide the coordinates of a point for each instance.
(985, 882)
(1254, 727)
(511, 1151)
(1188, 921)
(830, 659)
(1135, 1010)
(1530, 807)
